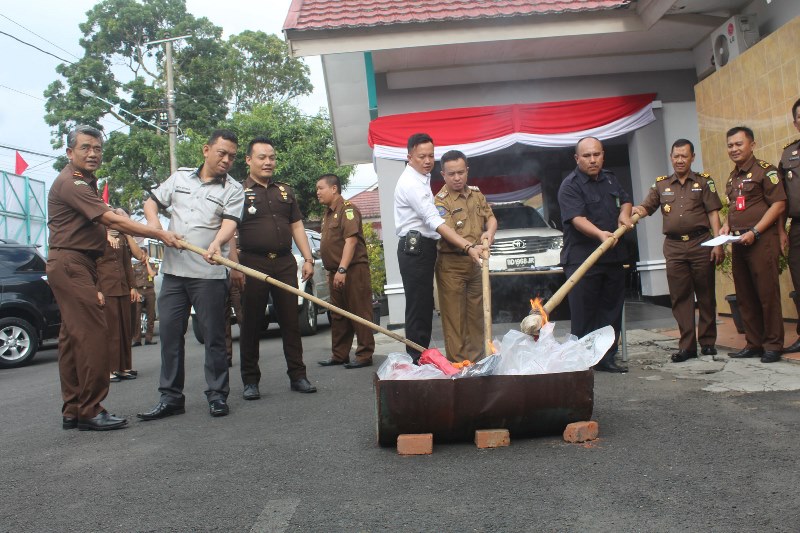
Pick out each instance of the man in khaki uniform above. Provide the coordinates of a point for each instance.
(145, 274)
(690, 206)
(344, 255)
(458, 277)
(789, 171)
(757, 201)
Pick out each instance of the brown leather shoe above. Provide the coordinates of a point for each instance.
(683, 355)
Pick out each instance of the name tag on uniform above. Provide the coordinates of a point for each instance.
(740, 203)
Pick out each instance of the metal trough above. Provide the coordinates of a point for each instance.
(452, 409)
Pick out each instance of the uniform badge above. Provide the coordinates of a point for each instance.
(252, 209)
(349, 214)
(667, 208)
(336, 215)
(789, 175)
(712, 186)
(442, 210)
(667, 190)
(80, 182)
(794, 153)
(773, 177)
(749, 175)
(281, 188)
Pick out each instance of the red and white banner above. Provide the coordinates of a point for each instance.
(482, 130)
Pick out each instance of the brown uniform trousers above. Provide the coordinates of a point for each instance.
(83, 355)
(789, 170)
(794, 264)
(118, 311)
(234, 301)
(254, 304)
(356, 297)
(690, 273)
(458, 280)
(755, 267)
(148, 295)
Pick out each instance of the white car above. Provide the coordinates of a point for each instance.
(523, 241)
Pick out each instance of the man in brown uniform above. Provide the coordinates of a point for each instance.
(344, 255)
(789, 171)
(690, 206)
(757, 200)
(271, 219)
(458, 277)
(145, 274)
(76, 220)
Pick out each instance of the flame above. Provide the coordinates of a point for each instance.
(494, 348)
(536, 305)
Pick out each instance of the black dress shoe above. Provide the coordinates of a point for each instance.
(358, 364)
(794, 348)
(68, 422)
(302, 385)
(251, 392)
(218, 408)
(150, 343)
(162, 410)
(708, 349)
(133, 372)
(102, 422)
(610, 366)
(114, 378)
(331, 362)
(771, 356)
(124, 375)
(683, 355)
(137, 343)
(746, 352)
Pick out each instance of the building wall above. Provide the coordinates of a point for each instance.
(756, 89)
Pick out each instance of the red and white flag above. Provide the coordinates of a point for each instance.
(105, 192)
(21, 165)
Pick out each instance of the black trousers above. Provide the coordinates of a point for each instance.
(178, 295)
(417, 273)
(596, 301)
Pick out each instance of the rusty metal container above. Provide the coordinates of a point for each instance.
(452, 409)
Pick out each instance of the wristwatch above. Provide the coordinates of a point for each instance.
(341, 270)
(756, 232)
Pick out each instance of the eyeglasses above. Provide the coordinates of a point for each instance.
(87, 148)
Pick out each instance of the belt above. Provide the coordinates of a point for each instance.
(268, 255)
(686, 236)
(94, 255)
(423, 240)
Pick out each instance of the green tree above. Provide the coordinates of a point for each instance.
(377, 265)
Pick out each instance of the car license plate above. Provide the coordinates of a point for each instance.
(516, 262)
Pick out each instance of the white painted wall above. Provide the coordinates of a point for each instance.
(680, 121)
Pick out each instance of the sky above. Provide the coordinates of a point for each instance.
(52, 26)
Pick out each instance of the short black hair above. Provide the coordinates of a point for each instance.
(794, 109)
(261, 139)
(680, 143)
(577, 144)
(417, 139)
(741, 129)
(331, 180)
(453, 155)
(226, 135)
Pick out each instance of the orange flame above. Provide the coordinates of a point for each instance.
(536, 305)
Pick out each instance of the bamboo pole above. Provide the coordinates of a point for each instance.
(487, 300)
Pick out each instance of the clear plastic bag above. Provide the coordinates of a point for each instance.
(401, 366)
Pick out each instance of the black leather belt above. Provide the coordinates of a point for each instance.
(423, 240)
(268, 255)
(687, 236)
(94, 255)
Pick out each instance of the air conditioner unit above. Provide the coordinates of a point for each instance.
(734, 37)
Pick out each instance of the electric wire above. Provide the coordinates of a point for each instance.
(36, 47)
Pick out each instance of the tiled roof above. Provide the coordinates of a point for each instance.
(368, 203)
(334, 14)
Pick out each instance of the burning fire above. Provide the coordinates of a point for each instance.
(536, 305)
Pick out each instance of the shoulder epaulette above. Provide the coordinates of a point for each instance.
(442, 193)
(347, 202)
(77, 174)
(787, 145)
(704, 175)
(763, 164)
(661, 178)
(474, 188)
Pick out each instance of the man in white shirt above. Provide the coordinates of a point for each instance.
(419, 226)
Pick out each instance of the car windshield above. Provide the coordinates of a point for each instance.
(517, 216)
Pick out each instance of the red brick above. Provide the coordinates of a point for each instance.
(492, 438)
(581, 431)
(415, 444)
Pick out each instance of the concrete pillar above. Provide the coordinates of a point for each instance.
(388, 172)
(646, 148)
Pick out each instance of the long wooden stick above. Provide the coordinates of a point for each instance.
(562, 292)
(264, 277)
(487, 300)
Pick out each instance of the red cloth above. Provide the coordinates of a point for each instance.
(434, 357)
(472, 124)
(105, 192)
(20, 166)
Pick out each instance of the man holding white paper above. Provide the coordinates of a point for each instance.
(690, 206)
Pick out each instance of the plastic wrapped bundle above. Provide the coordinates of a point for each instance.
(401, 366)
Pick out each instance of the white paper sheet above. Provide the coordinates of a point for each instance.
(722, 239)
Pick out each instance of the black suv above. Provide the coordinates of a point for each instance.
(28, 310)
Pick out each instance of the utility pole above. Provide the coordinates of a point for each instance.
(172, 125)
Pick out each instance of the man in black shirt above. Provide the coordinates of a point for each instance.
(593, 204)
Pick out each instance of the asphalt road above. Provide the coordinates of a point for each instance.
(671, 457)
